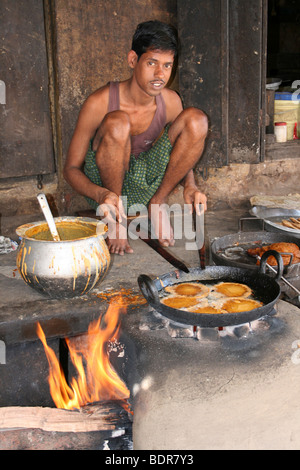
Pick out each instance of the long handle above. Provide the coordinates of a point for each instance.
(145, 235)
(154, 244)
(285, 280)
(48, 216)
(199, 234)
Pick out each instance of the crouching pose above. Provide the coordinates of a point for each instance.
(134, 139)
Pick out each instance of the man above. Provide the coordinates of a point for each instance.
(135, 140)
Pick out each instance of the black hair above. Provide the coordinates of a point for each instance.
(155, 35)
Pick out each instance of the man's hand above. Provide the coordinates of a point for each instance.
(111, 207)
(111, 210)
(193, 196)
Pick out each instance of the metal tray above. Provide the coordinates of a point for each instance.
(273, 216)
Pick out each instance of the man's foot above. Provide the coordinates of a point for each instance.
(160, 224)
(118, 247)
(117, 240)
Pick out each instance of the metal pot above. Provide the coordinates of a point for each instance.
(67, 268)
(266, 288)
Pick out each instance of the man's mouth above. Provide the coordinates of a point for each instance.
(158, 84)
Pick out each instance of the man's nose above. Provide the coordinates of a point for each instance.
(159, 72)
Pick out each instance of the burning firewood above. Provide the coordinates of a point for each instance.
(96, 417)
(97, 379)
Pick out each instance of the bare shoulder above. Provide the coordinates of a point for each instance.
(173, 103)
(97, 101)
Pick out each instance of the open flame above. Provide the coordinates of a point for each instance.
(97, 379)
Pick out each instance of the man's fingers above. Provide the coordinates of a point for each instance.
(121, 211)
(111, 206)
(200, 203)
(111, 212)
(107, 210)
(200, 208)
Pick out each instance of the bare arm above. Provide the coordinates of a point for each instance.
(192, 195)
(90, 118)
(88, 122)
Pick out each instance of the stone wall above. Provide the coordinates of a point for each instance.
(235, 184)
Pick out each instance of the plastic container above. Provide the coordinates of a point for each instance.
(287, 109)
(280, 130)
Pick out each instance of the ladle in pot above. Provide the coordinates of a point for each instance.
(48, 216)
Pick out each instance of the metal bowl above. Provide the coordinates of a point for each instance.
(67, 268)
(273, 83)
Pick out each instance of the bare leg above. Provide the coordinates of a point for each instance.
(187, 135)
(112, 145)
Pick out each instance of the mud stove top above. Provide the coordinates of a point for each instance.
(230, 388)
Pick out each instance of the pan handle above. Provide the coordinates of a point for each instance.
(148, 288)
(278, 257)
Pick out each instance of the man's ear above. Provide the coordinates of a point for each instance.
(132, 59)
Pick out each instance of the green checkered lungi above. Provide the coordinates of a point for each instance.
(145, 172)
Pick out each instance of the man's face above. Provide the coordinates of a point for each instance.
(153, 70)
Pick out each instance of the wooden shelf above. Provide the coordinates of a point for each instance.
(280, 151)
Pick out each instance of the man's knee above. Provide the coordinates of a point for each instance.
(196, 121)
(116, 125)
(191, 122)
(115, 128)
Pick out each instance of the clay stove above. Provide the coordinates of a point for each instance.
(231, 389)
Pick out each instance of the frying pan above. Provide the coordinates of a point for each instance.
(266, 289)
(249, 240)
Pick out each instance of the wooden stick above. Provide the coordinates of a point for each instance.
(202, 249)
(100, 417)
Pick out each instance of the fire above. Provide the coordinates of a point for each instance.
(97, 379)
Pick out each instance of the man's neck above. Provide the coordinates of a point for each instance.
(135, 96)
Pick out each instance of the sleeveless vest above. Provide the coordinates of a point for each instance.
(141, 142)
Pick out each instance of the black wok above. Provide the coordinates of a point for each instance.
(247, 240)
(265, 287)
